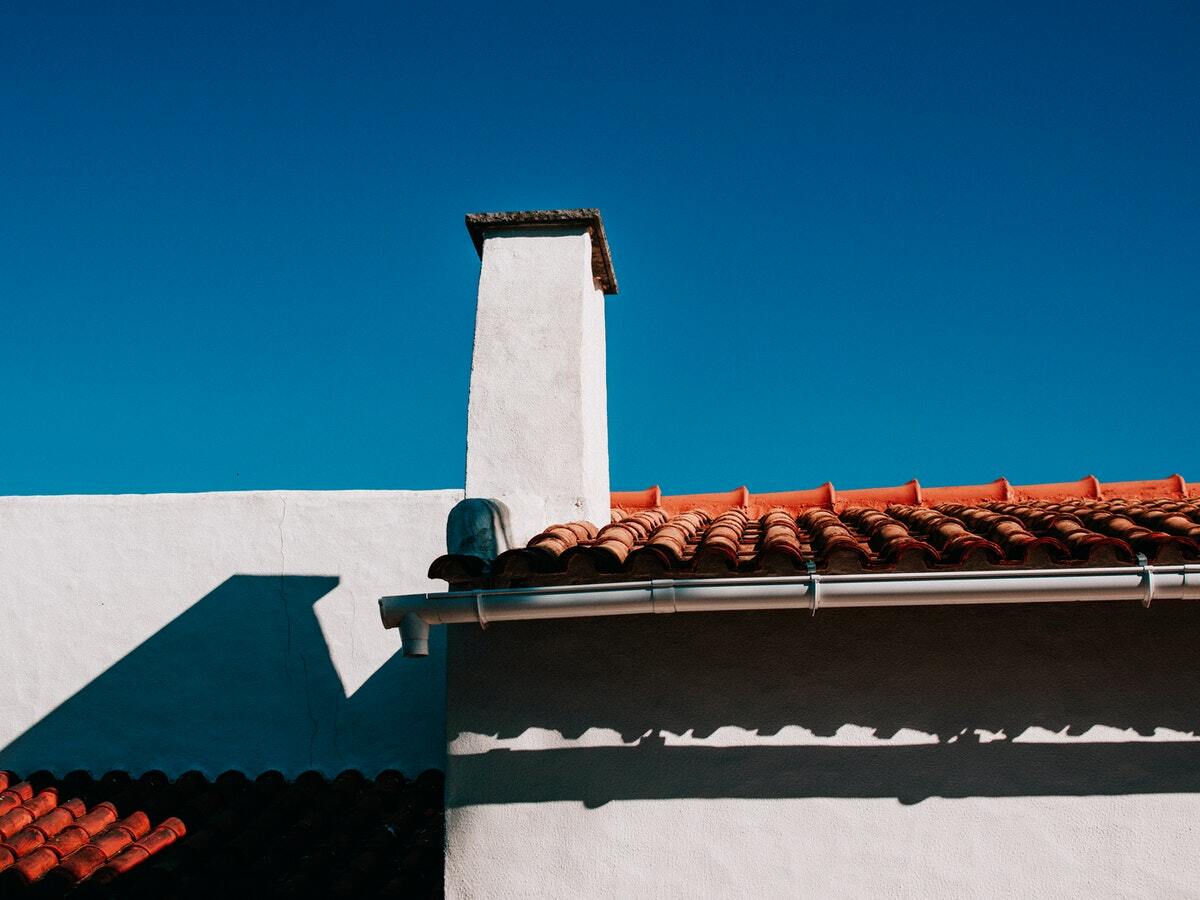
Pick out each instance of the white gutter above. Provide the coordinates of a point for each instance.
(414, 613)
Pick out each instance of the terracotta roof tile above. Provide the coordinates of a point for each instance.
(904, 528)
(950, 536)
(152, 837)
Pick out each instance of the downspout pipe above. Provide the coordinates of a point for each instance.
(413, 614)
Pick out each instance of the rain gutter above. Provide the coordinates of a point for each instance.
(413, 614)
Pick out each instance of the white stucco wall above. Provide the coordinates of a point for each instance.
(216, 631)
(537, 422)
(1022, 751)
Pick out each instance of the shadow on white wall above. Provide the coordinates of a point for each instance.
(1085, 699)
(241, 679)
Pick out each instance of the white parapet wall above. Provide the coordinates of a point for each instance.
(1019, 751)
(216, 631)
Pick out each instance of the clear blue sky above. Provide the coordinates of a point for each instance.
(856, 243)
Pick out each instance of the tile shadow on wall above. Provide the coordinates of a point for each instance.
(242, 679)
(1052, 670)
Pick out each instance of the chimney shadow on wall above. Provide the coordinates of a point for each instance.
(904, 703)
(241, 679)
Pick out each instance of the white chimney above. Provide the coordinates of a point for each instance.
(537, 419)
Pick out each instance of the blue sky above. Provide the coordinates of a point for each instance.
(855, 243)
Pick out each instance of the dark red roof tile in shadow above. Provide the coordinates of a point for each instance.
(781, 544)
(39, 831)
(891, 539)
(904, 528)
(80, 864)
(833, 542)
(720, 547)
(1019, 544)
(14, 795)
(1084, 543)
(21, 816)
(152, 837)
(955, 542)
(1111, 520)
(160, 838)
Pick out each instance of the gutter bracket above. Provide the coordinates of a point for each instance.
(662, 595)
(815, 580)
(483, 622)
(1148, 574)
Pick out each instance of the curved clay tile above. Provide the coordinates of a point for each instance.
(712, 504)
(614, 543)
(949, 535)
(794, 502)
(41, 830)
(672, 540)
(1156, 545)
(965, 494)
(108, 843)
(557, 539)
(720, 547)
(622, 501)
(891, 539)
(520, 563)
(22, 816)
(156, 841)
(834, 545)
(234, 825)
(878, 498)
(65, 845)
(1171, 486)
(546, 552)
(912, 494)
(14, 796)
(1084, 544)
(1018, 542)
(780, 548)
(456, 568)
(779, 534)
(1159, 518)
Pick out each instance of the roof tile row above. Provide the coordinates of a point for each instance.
(349, 836)
(648, 543)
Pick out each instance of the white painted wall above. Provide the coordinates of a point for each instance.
(156, 632)
(1021, 751)
(537, 421)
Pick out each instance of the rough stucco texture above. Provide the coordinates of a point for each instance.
(216, 631)
(1004, 751)
(537, 426)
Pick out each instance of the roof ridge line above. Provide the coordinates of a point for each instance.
(911, 492)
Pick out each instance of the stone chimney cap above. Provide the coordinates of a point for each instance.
(479, 224)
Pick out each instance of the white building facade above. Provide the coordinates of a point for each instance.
(1032, 749)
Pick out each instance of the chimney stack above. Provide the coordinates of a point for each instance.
(537, 418)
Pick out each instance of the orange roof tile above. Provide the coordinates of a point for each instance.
(125, 837)
(911, 492)
(902, 528)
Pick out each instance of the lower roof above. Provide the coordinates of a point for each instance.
(149, 836)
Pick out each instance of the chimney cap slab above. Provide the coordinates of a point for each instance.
(480, 224)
